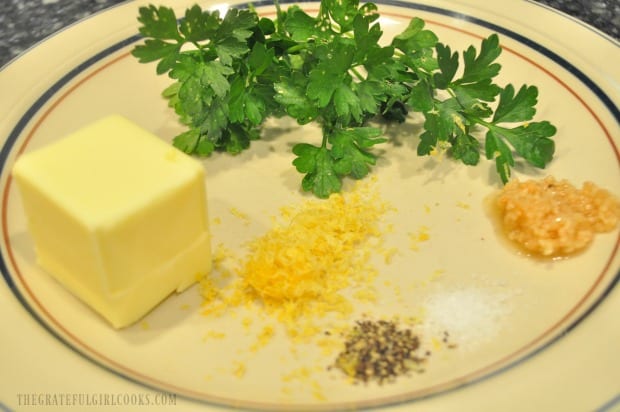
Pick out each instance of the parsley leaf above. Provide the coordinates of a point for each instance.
(224, 86)
(318, 165)
(349, 150)
(454, 105)
(230, 73)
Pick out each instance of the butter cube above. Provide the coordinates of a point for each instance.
(117, 216)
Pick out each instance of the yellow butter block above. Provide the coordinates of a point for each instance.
(118, 216)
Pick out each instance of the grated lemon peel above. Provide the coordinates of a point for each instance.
(300, 268)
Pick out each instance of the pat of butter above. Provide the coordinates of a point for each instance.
(117, 216)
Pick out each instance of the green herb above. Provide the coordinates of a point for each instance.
(233, 72)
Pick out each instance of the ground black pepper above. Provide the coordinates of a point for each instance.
(446, 340)
(380, 351)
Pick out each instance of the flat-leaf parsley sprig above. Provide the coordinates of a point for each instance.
(232, 72)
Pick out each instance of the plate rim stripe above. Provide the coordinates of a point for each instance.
(49, 93)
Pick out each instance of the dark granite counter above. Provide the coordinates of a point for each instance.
(26, 22)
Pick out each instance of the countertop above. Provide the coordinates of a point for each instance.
(24, 23)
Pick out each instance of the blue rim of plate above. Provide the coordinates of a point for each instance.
(65, 79)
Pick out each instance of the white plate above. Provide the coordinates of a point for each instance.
(533, 333)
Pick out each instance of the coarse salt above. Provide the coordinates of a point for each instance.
(466, 316)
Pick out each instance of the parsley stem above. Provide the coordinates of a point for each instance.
(297, 48)
(357, 73)
(280, 17)
(478, 120)
(324, 139)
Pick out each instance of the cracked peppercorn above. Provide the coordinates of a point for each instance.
(378, 350)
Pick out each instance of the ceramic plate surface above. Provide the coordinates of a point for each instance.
(539, 333)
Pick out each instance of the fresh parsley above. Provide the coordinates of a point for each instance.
(234, 71)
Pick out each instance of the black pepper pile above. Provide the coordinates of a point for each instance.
(378, 351)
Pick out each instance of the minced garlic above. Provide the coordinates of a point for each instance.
(553, 218)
